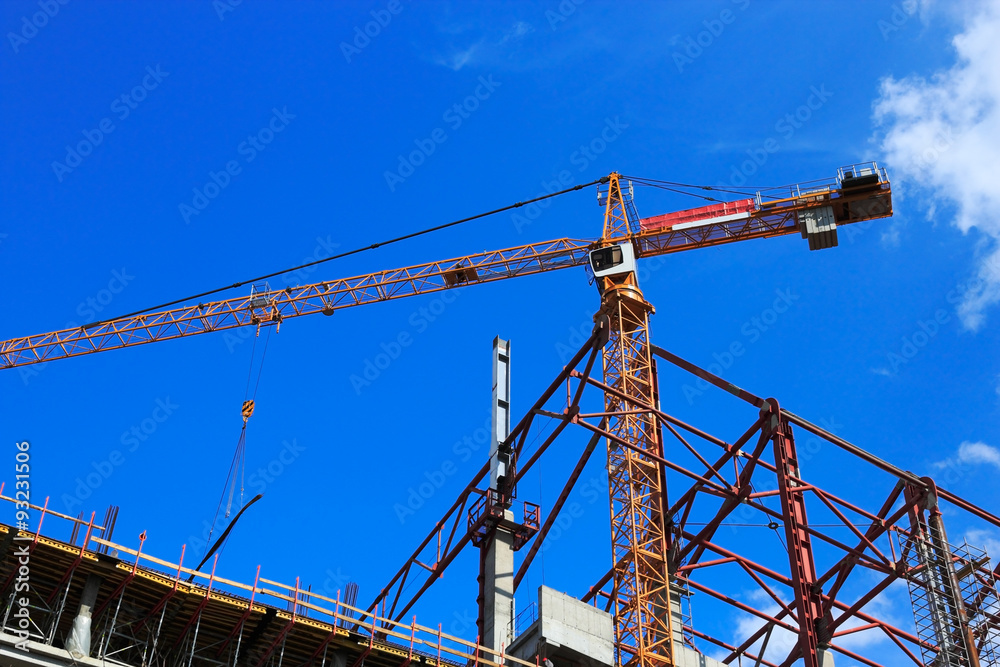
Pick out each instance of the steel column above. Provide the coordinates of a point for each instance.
(813, 635)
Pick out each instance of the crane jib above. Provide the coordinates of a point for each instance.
(814, 213)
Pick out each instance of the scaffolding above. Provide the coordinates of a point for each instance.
(938, 607)
(155, 613)
(982, 603)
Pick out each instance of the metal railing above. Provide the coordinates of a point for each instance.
(334, 613)
(523, 621)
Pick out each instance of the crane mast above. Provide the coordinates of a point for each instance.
(637, 485)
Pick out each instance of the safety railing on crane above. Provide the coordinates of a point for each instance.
(848, 175)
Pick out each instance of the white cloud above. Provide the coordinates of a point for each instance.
(519, 29)
(484, 51)
(979, 452)
(458, 59)
(972, 453)
(943, 135)
(890, 237)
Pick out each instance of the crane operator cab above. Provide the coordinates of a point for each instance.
(611, 260)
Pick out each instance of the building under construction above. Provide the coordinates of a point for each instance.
(73, 595)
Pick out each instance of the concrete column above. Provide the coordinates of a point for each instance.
(78, 643)
(499, 598)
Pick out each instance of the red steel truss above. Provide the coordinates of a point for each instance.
(842, 554)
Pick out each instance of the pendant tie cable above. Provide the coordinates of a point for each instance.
(356, 251)
(749, 191)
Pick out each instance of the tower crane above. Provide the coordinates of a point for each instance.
(641, 542)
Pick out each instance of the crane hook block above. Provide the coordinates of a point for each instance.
(247, 410)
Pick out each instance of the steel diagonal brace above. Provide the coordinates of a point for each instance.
(765, 629)
(728, 505)
(467, 538)
(704, 479)
(776, 621)
(646, 407)
(863, 558)
(758, 659)
(786, 581)
(860, 603)
(688, 498)
(880, 525)
(843, 569)
(517, 434)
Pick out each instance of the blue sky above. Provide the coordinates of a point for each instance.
(225, 141)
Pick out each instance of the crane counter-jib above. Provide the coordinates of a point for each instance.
(815, 214)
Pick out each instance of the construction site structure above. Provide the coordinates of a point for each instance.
(657, 551)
